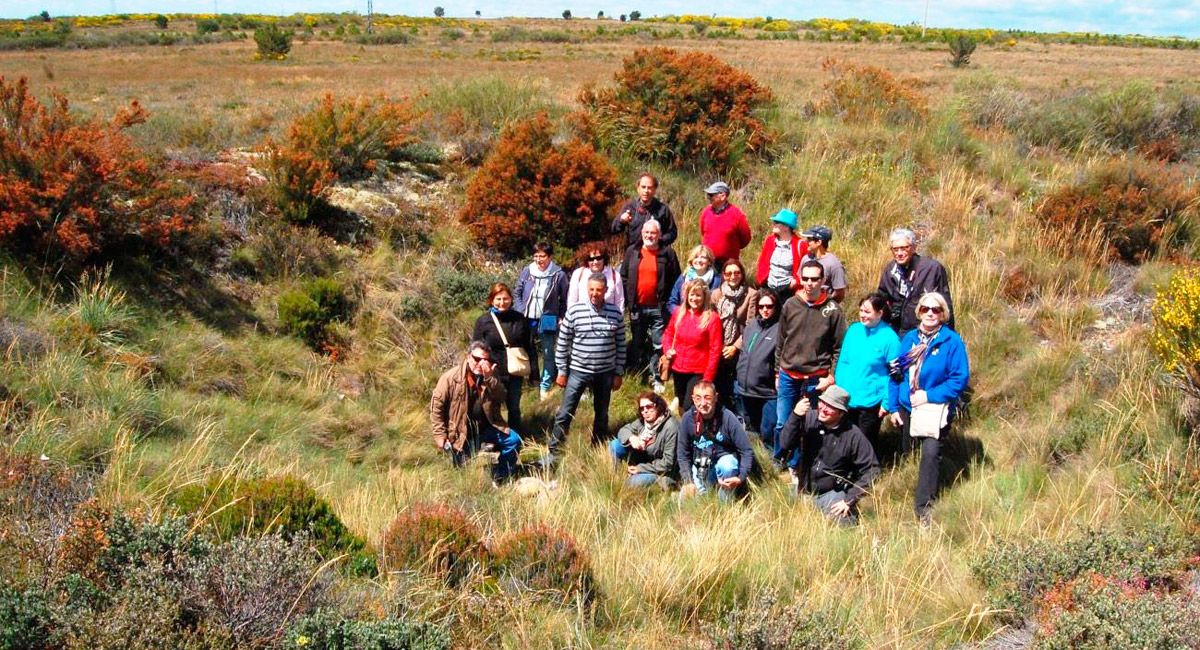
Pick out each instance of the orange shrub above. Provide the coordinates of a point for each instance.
(530, 189)
(1134, 202)
(433, 537)
(690, 110)
(866, 93)
(79, 191)
(547, 560)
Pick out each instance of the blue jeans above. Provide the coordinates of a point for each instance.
(622, 453)
(825, 502)
(509, 445)
(577, 382)
(645, 346)
(543, 344)
(790, 392)
(725, 467)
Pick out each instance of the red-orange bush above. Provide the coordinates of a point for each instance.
(74, 190)
(545, 559)
(690, 110)
(867, 93)
(530, 189)
(433, 537)
(1134, 202)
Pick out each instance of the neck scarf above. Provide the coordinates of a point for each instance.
(692, 275)
(731, 301)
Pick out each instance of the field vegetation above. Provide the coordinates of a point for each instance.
(219, 342)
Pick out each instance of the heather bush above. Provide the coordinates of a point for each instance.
(547, 560)
(473, 112)
(1016, 575)
(863, 93)
(38, 500)
(435, 538)
(286, 505)
(1096, 612)
(1140, 207)
(296, 180)
(530, 189)
(763, 625)
(273, 43)
(326, 630)
(75, 190)
(690, 110)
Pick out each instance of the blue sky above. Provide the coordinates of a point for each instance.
(1150, 17)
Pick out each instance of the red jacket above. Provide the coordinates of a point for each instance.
(696, 350)
(726, 233)
(799, 251)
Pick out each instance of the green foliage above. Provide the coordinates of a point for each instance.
(545, 560)
(1016, 575)
(309, 310)
(764, 626)
(273, 43)
(1095, 612)
(325, 630)
(439, 11)
(160, 21)
(962, 47)
(286, 505)
(461, 288)
(207, 26)
(436, 538)
(26, 619)
(690, 110)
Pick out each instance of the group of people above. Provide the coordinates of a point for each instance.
(774, 354)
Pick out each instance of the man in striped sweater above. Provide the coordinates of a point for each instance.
(591, 348)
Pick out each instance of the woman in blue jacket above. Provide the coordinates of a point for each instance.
(927, 380)
(862, 367)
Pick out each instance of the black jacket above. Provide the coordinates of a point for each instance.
(903, 287)
(840, 458)
(756, 364)
(633, 230)
(730, 438)
(668, 272)
(516, 328)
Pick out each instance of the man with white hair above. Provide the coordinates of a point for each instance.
(907, 277)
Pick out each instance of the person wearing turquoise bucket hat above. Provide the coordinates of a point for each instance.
(781, 256)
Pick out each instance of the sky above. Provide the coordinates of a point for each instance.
(1148, 17)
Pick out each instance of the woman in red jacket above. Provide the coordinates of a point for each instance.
(692, 341)
(782, 254)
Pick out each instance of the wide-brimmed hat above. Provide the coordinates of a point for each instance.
(786, 217)
(837, 397)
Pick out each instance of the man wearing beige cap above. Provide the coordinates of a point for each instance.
(723, 226)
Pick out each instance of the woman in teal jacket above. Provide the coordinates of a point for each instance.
(862, 367)
(930, 374)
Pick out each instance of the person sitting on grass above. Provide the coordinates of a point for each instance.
(837, 463)
(647, 445)
(464, 413)
(713, 448)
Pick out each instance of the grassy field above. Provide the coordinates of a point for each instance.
(1069, 421)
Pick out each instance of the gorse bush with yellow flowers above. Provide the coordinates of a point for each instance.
(1176, 326)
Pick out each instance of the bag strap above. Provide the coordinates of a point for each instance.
(499, 329)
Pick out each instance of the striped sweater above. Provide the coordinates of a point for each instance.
(591, 341)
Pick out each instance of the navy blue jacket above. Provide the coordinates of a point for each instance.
(730, 438)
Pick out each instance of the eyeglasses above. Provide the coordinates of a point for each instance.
(927, 308)
(805, 278)
(647, 407)
(479, 359)
(595, 258)
(901, 248)
(732, 272)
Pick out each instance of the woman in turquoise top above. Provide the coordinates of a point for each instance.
(862, 367)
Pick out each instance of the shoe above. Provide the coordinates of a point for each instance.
(659, 388)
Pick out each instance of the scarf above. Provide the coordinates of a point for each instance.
(916, 356)
(654, 427)
(541, 289)
(692, 275)
(731, 301)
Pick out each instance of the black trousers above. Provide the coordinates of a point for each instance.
(869, 423)
(931, 458)
(684, 381)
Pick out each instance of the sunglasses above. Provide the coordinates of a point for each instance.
(732, 272)
(805, 278)
(595, 258)
(766, 306)
(479, 359)
(646, 407)
(927, 308)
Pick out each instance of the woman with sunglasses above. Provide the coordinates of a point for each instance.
(592, 258)
(515, 334)
(756, 368)
(692, 342)
(732, 301)
(927, 380)
(647, 445)
(862, 367)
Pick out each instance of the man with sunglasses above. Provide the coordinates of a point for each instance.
(465, 413)
(907, 277)
(811, 327)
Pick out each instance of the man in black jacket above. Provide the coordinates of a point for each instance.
(637, 211)
(649, 271)
(837, 463)
(909, 276)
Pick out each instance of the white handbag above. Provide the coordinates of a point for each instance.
(928, 420)
(517, 357)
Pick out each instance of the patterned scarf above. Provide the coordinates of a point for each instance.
(731, 301)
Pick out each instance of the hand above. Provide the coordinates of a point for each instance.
(729, 351)
(561, 381)
(882, 413)
(840, 509)
(729, 483)
(670, 354)
(637, 442)
(792, 284)
(897, 419)
(626, 217)
(617, 380)
(824, 383)
(802, 406)
(919, 398)
(631, 470)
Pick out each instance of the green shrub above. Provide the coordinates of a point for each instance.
(310, 310)
(325, 630)
(207, 26)
(389, 37)
(461, 288)
(1094, 612)
(548, 560)
(435, 538)
(1016, 574)
(161, 21)
(26, 619)
(764, 626)
(273, 43)
(286, 505)
(962, 47)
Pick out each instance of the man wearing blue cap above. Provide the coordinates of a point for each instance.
(818, 248)
(723, 226)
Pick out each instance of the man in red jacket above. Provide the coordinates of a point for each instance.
(723, 226)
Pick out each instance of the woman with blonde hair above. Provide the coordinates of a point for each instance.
(700, 267)
(692, 341)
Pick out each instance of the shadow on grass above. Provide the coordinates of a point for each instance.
(186, 288)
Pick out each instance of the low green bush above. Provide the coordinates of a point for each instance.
(765, 626)
(326, 630)
(460, 288)
(1094, 612)
(26, 619)
(273, 43)
(309, 310)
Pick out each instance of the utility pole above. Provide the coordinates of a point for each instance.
(925, 23)
(370, 14)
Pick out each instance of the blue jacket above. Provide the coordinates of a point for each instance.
(676, 298)
(943, 375)
(556, 298)
(730, 438)
(862, 366)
